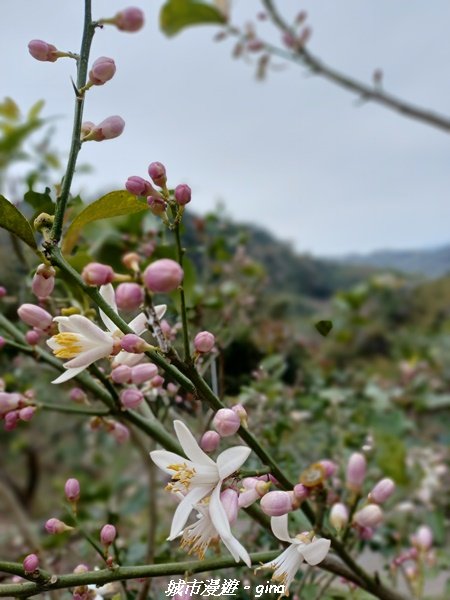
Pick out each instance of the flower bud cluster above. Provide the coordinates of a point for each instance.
(14, 408)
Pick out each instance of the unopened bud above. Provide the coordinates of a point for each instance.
(108, 534)
(276, 504)
(382, 491)
(30, 563)
(356, 471)
(43, 222)
(301, 492)
(43, 51)
(77, 395)
(121, 374)
(339, 516)
(129, 19)
(32, 337)
(329, 466)
(35, 316)
(157, 205)
(204, 342)
(143, 372)
(163, 275)
(138, 186)
(226, 422)
(241, 413)
(129, 296)
(423, 538)
(131, 261)
(121, 433)
(102, 70)
(43, 281)
(72, 490)
(210, 441)
(3, 291)
(27, 413)
(182, 194)
(133, 343)
(131, 398)
(97, 274)
(54, 526)
(369, 516)
(108, 129)
(157, 172)
(157, 381)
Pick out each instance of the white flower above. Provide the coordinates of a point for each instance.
(198, 536)
(302, 548)
(199, 476)
(84, 342)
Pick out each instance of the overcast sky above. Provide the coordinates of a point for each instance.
(293, 153)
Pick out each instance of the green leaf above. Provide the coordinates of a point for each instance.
(40, 202)
(34, 111)
(177, 14)
(324, 327)
(114, 204)
(13, 221)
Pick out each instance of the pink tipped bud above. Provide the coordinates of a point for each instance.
(143, 372)
(30, 563)
(138, 186)
(276, 504)
(356, 471)
(229, 500)
(108, 534)
(102, 70)
(131, 398)
(366, 533)
(35, 316)
(182, 194)
(226, 422)
(157, 381)
(163, 275)
(2, 342)
(121, 374)
(129, 19)
(241, 413)
(121, 433)
(108, 129)
(43, 281)
(157, 172)
(72, 490)
(369, 516)
(77, 395)
(8, 402)
(339, 516)
(423, 538)
(133, 343)
(54, 526)
(131, 261)
(329, 466)
(129, 296)
(301, 492)
(27, 413)
(81, 568)
(210, 441)
(11, 420)
(40, 50)
(3, 291)
(86, 128)
(33, 336)
(157, 205)
(382, 491)
(97, 274)
(204, 342)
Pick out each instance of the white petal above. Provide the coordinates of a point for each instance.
(190, 446)
(138, 324)
(86, 358)
(160, 310)
(222, 525)
(230, 460)
(280, 529)
(316, 551)
(108, 295)
(68, 375)
(184, 509)
(163, 458)
(127, 358)
(84, 326)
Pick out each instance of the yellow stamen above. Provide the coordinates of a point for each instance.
(70, 344)
(182, 477)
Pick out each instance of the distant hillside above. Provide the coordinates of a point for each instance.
(431, 263)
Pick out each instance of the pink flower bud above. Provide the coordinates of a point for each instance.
(81, 568)
(339, 516)
(210, 441)
(72, 490)
(369, 516)
(11, 419)
(121, 433)
(129, 296)
(129, 19)
(121, 374)
(366, 533)
(27, 413)
(138, 186)
(43, 281)
(3, 291)
(133, 343)
(143, 372)
(131, 260)
(423, 538)
(301, 492)
(33, 336)
(204, 342)
(226, 422)
(86, 128)
(54, 526)
(30, 563)
(229, 500)
(382, 491)
(131, 398)
(77, 395)
(108, 534)
(182, 194)
(157, 172)
(157, 381)
(2, 342)
(157, 205)
(8, 402)
(102, 70)
(97, 274)
(42, 51)
(163, 275)
(276, 504)
(329, 466)
(108, 129)
(241, 413)
(35, 316)
(356, 471)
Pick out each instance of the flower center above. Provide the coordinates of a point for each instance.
(181, 478)
(70, 345)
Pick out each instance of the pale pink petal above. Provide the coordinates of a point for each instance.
(190, 446)
(316, 551)
(107, 293)
(230, 460)
(184, 509)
